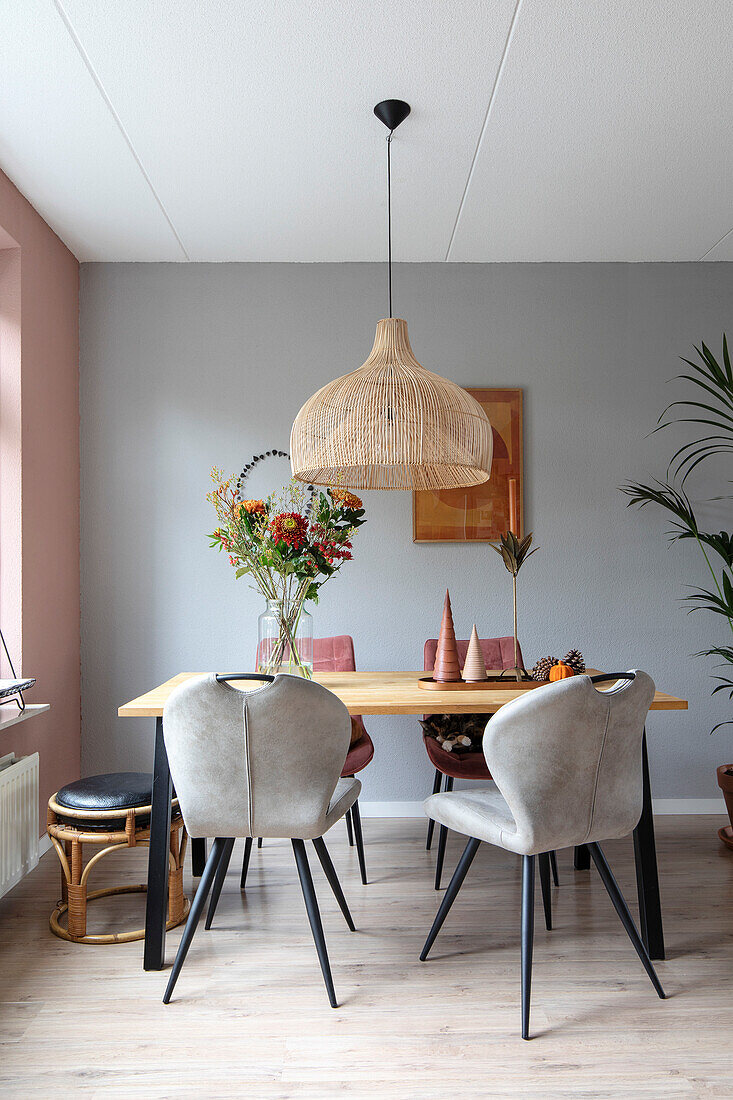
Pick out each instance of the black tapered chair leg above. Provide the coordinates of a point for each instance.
(431, 823)
(245, 862)
(221, 872)
(553, 865)
(451, 893)
(623, 911)
(527, 938)
(544, 863)
(581, 857)
(314, 916)
(442, 838)
(259, 841)
(356, 821)
(197, 908)
(330, 872)
(349, 830)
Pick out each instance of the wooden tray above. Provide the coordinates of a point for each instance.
(429, 684)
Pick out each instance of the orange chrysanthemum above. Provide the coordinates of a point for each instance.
(343, 496)
(253, 507)
(290, 528)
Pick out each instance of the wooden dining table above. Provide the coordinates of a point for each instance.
(385, 693)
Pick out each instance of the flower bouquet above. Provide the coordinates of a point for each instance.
(289, 544)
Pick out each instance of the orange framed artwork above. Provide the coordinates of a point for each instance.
(481, 513)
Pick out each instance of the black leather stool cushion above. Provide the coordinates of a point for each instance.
(113, 791)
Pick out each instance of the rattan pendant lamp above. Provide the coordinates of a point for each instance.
(391, 424)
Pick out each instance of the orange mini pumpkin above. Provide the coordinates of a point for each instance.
(560, 671)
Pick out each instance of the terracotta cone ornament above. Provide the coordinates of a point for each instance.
(474, 669)
(447, 666)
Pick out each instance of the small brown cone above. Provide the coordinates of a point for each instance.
(447, 667)
(474, 669)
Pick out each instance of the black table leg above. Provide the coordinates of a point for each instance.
(581, 858)
(198, 855)
(647, 876)
(156, 904)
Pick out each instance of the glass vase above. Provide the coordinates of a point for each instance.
(285, 640)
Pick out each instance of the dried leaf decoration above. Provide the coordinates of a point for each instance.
(513, 551)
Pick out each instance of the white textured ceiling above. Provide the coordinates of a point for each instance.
(242, 129)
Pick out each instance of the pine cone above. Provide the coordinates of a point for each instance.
(574, 658)
(541, 670)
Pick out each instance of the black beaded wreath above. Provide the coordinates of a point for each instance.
(259, 458)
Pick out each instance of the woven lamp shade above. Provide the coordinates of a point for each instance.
(391, 424)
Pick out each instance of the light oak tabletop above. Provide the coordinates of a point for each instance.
(383, 693)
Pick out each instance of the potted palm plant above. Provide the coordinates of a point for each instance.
(710, 408)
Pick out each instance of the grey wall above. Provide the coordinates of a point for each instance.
(183, 366)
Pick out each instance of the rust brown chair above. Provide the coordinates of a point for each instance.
(111, 811)
(498, 653)
(336, 654)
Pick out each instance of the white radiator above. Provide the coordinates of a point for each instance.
(18, 821)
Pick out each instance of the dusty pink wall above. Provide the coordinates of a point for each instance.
(11, 547)
(46, 622)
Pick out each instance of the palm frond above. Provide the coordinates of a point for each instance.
(704, 600)
(721, 543)
(666, 496)
(724, 651)
(717, 382)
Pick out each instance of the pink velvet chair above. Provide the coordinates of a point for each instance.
(337, 655)
(498, 654)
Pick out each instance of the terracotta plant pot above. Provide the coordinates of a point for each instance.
(725, 782)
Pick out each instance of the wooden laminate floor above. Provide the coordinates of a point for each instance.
(250, 1016)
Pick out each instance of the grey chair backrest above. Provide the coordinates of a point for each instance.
(567, 759)
(256, 763)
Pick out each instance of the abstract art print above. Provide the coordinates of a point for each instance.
(481, 513)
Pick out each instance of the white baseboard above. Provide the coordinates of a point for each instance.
(44, 845)
(391, 809)
(661, 806)
(689, 805)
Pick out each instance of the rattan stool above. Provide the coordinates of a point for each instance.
(101, 813)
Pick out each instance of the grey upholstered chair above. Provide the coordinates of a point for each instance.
(566, 760)
(261, 763)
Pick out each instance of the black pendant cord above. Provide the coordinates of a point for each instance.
(389, 218)
(391, 113)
